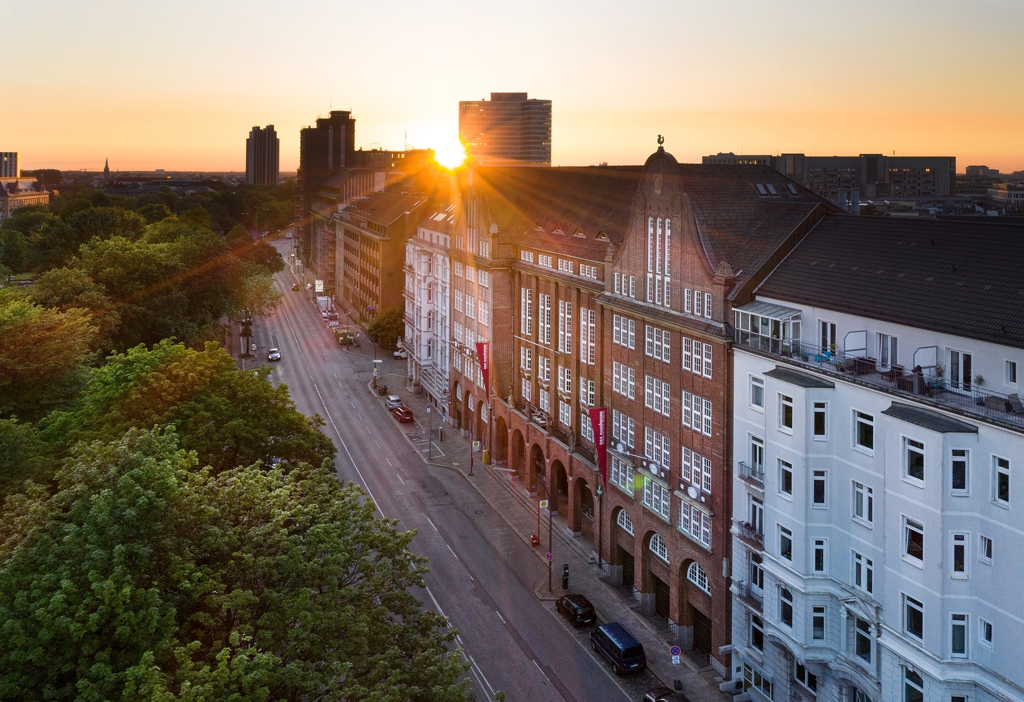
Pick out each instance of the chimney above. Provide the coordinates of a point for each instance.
(855, 204)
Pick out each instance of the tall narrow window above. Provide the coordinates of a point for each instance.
(862, 642)
(887, 351)
(863, 431)
(986, 550)
(913, 539)
(756, 632)
(785, 478)
(863, 573)
(913, 686)
(818, 562)
(786, 606)
(819, 488)
(756, 391)
(785, 543)
(958, 635)
(913, 617)
(960, 466)
(863, 503)
(818, 623)
(959, 555)
(913, 459)
(1001, 480)
(820, 421)
(785, 413)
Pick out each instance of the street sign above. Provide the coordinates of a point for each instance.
(374, 372)
(428, 408)
(549, 556)
(675, 650)
(543, 504)
(675, 660)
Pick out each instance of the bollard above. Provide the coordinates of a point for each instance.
(565, 576)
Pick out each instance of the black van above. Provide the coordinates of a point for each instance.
(619, 647)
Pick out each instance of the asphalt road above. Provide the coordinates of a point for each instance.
(481, 573)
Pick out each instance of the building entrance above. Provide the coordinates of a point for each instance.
(662, 597)
(701, 632)
(628, 577)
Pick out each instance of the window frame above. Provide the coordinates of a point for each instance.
(866, 634)
(756, 624)
(909, 603)
(998, 472)
(953, 460)
(822, 612)
(785, 467)
(816, 409)
(962, 621)
(868, 502)
(1010, 373)
(786, 403)
(755, 382)
(960, 539)
(912, 446)
(985, 633)
(787, 534)
(868, 420)
(819, 545)
(910, 527)
(819, 476)
(861, 565)
(786, 606)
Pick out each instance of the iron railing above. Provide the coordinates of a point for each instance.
(751, 535)
(751, 473)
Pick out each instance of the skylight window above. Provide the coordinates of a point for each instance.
(760, 189)
(771, 189)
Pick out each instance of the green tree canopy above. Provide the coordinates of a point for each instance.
(387, 327)
(145, 578)
(69, 288)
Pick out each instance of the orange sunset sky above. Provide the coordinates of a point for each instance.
(179, 85)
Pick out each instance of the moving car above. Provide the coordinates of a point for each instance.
(295, 286)
(274, 355)
(402, 414)
(576, 608)
(619, 647)
(663, 694)
(393, 402)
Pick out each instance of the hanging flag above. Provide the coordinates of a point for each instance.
(483, 357)
(597, 424)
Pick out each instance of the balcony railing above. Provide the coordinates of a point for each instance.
(750, 535)
(920, 383)
(750, 596)
(752, 474)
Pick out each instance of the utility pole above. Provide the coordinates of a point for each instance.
(430, 433)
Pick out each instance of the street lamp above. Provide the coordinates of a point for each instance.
(547, 495)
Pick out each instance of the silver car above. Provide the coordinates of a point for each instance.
(274, 355)
(393, 402)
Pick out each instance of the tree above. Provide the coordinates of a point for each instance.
(387, 327)
(145, 577)
(227, 416)
(72, 288)
(154, 212)
(21, 455)
(42, 354)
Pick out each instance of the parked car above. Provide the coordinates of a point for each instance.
(402, 414)
(274, 355)
(295, 286)
(576, 608)
(663, 694)
(619, 647)
(400, 353)
(333, 317)
(333, 323)
(393, 402)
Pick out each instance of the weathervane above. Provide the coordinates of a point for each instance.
(661, 140)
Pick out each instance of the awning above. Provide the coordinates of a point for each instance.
(767, 309)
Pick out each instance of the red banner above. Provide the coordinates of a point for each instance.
(483, 357)
(597, 424)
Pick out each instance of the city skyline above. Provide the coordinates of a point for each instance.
(737, 77)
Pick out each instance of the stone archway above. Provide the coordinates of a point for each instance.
(582, 517)
(519, 454)
(480, 432)
(694, 614)
(467, 417)
(500, 452)
(655, 576)
(537, 467)
(622, 551)
(457, 406)
(559, 487)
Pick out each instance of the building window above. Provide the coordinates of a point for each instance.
(986, 550)
(624, 331)
(985, 633)
(863, 431)
(565, 266)
(757, 454)
(564, 327)
(543, 260)
(697, 469)
(622, 428)
(785, 543)
(707, 305)
(698, 303)
(862, 639)
(527, 388)
(656, 447)
(586, 392)
(565, 380)
(913, 617)
(819, 564)
(588, 271)
(863, 503)
(913, 459)
(820, 428)
(958, 636)
(697, 413)
(656, 498)
(756, 632)
(819, 489)
(688, 300)
(808, 680)
(888, 355)
(525, 355)
(960, 460)
(545, 401)
(624, 522)
(696, 575)
(913, 539)
(623, 380)
(1011, 373)
(525, 311)
(785, 478)
(483, 278)
(622, 475)
(1001, 481)
(543, 369)
(657, 395)
(818, 623)
(564, 413)
(786, 413)
(586, 428)
(587, 336)
(959, 559)
(658, 343)
(658, 548)
(913, 686)
(863, 573)
(786, 606)
(695, 523)
(544, 319)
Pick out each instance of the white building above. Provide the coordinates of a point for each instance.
(878, 537)
(427, 319)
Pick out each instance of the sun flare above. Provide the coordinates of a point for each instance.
(450, 153)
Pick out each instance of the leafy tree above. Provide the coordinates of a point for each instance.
(68, 288)
(21, 455)
(143, 577)
(255, 296)
(13, 250)
(261, 254)
(227, 416)
(387, 327)
(154, 212)
(42, 353)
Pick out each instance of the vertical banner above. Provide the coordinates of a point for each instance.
(597, 424)
(483, 357)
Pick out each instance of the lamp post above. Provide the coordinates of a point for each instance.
(600, 525)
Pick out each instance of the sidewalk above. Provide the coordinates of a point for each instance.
(519, 510)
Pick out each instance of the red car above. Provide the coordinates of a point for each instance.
(402, 414)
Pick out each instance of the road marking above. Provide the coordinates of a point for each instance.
(400, 477)
(541, 670)
(388, 460)
(500, 617)
(471, 660)
(376, 442)
(367, 429)
(458, 639)
(439, 610)
(432, 524)
(348, 453)
(453, 553)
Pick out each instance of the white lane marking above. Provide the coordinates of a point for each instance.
(376, 442)
(541, 670)
(499, 616)
(471, 660)
(347, 452)
(399, 477)
(367, 429)
(432, 524)
(439, 610)
(388, 460)
(458, 639)
(453, 553)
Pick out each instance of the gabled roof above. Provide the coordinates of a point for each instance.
(964, 278)
(385, 208)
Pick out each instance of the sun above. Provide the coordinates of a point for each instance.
(450, 153)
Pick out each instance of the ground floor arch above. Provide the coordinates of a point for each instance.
(500, 448)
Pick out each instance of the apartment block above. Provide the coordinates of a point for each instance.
(510, 129)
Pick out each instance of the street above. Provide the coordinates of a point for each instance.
(482, 575)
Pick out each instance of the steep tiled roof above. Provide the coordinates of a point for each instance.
(959, 277)
(385, 207)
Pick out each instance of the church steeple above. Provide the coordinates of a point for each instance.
(106, 168)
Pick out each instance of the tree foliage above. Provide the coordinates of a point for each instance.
(387, 327)
(146, 578)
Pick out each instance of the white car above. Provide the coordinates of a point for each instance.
(393, 402)
(400, 353)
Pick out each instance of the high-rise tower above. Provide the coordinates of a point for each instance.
(507, 130)
(262, 151)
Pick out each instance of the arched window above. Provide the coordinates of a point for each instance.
(625, 522)
(658, 548)
(696, 575)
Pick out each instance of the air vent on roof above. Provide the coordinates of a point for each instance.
(931, 278)
(878, 271)
(855, 268)
(579, 233)
(558, 230)
(760, 189)
(601, 236)
(988, 287)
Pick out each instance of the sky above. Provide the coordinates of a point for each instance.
(179, 85)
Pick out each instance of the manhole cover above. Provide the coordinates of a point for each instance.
(479, 511)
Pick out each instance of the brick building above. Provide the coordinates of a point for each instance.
(614, 287)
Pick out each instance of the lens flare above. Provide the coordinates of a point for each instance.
(451, 153)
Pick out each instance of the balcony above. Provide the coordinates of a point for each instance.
(752, 475)
(921, 384)
(748, 534)
(751, 597)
